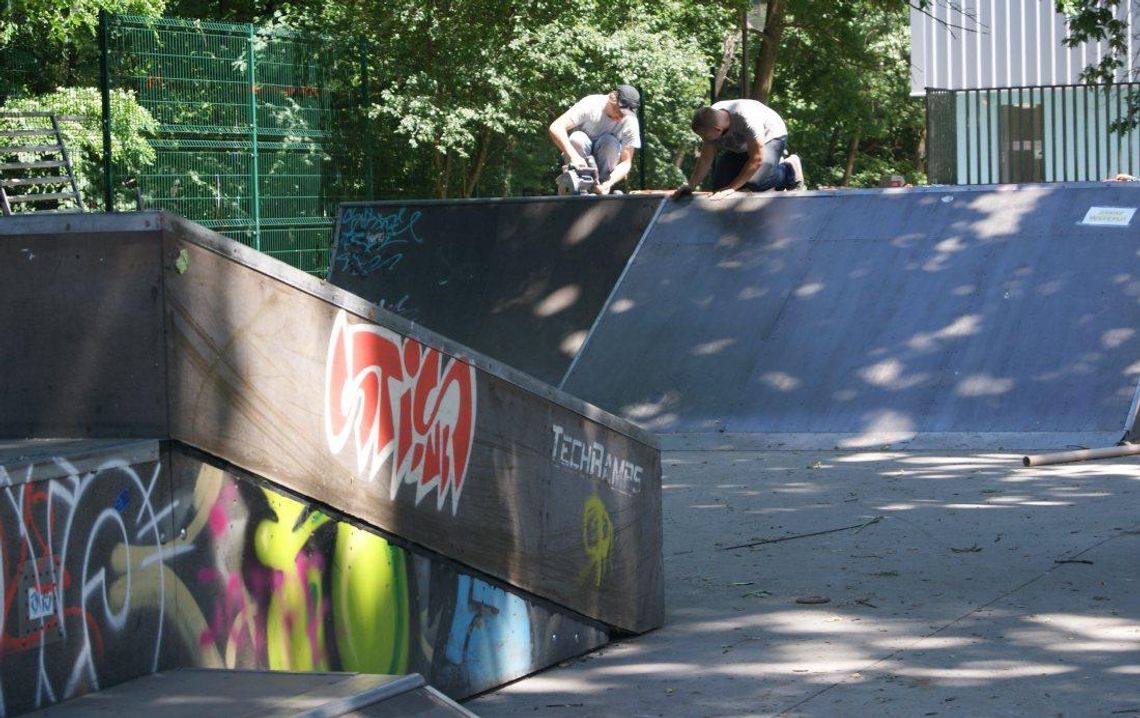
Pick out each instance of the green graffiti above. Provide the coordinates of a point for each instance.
(369, 589)
(597, 538)
(370, 602)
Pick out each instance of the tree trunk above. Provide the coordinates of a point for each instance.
(920, 152)
(852, 152)
(832, 144)
(769, 48)
(480, 162)
(730, 39)
(445, 177)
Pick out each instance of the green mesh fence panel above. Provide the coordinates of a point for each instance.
(246, 114)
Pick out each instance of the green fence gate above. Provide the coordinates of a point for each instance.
(247, 115)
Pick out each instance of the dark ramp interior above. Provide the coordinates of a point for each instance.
(520, 280)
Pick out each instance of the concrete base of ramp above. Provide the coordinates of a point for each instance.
(876, 314)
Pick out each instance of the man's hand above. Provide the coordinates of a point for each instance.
(715, 196)
(579, 162)
(681, 192)
(603, 188)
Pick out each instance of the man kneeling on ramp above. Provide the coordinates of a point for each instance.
(750, 138)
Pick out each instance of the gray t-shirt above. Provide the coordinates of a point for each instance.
(589, 116)
(750, 119)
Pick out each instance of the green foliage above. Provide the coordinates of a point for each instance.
(460, 93)
(84, 138)
(46, 44)
(64, 22)
(843, 76)
(1095, 20)
(453, 97)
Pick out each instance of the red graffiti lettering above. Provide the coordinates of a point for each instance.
(402, 406)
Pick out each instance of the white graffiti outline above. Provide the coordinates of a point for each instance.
(99, 588)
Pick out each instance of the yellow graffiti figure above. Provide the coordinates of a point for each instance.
(597, 537)
(294, 625)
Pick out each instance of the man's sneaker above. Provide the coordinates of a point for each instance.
(797, 171)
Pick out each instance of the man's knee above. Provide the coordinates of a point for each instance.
(581, 142)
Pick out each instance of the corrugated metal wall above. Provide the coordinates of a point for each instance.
(978, 44)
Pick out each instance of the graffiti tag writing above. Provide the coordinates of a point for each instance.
(399, 405)
(593, 459)
(372, 240)
(82, 581)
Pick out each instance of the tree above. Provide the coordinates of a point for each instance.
(45, 44)
(460, 91)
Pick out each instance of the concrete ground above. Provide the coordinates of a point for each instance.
(956, 584)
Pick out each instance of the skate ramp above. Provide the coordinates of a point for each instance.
(520, 280)
(297, 426)
(876, 316)
(124, 558)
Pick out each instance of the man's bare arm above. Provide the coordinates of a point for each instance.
(620, 170)
(700, 169)
(560, 131)
(755, 159)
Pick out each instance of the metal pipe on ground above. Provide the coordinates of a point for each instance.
(1062, 457)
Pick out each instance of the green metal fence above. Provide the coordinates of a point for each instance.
(247, 116)
(1062, 133)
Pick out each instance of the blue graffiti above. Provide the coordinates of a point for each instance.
(372, 240)
(490, 632)
(123, 500)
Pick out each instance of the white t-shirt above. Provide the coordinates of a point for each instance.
(589, 115)
(750, 119)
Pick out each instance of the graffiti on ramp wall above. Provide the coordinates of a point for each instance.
(121, 569)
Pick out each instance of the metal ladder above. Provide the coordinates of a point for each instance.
(49, 169)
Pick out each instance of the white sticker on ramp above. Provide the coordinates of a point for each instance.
(1109, 216)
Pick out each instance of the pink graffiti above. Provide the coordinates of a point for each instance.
(400, 405)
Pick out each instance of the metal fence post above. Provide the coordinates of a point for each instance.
(105, 96)
(255, 176)
(644, 142)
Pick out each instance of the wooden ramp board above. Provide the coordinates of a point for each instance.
(520, 280)
(318, 390)
(192, 693)
(80, 319)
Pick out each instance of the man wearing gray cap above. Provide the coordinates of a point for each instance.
(603, 127)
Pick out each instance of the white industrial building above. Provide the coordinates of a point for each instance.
(1004, 97)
